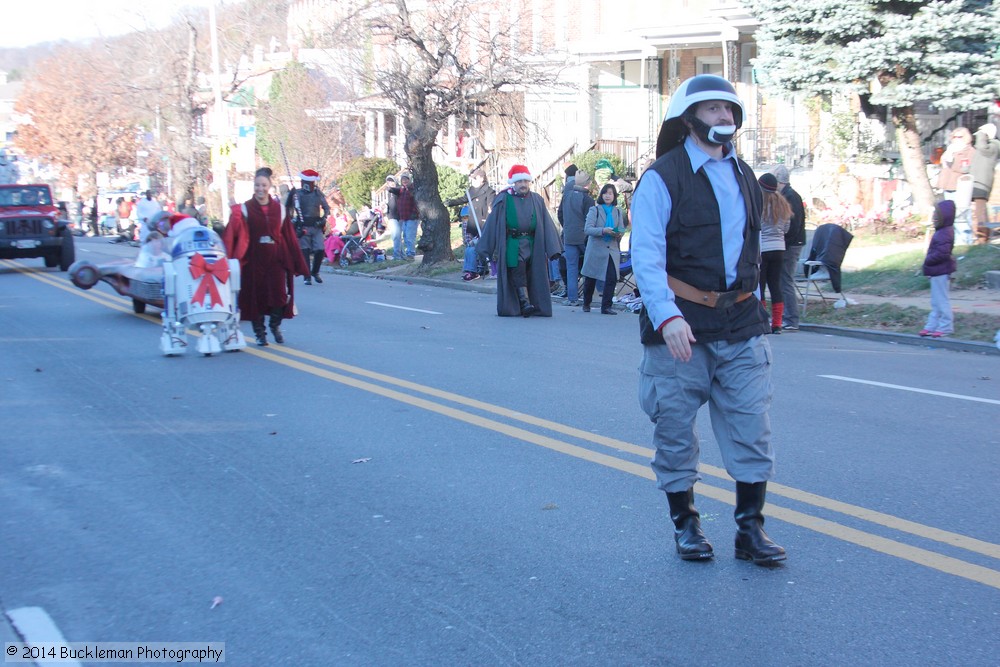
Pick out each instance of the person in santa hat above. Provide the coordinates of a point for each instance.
(521, 235)
(311, 204)
(260, 235)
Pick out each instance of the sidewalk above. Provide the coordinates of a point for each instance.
(963, 301)
(985, 301)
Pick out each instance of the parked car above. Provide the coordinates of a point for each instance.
(31, 226)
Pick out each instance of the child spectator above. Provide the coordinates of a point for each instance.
(938, 266)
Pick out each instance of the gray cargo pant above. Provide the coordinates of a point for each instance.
(735, 380)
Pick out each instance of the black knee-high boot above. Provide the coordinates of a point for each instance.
(317, 263)
(752, 543)
(527, 309)
(306, 253)
(259, 331)
(275, 326)
(691, 542)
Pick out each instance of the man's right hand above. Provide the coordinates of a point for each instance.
(678, 337)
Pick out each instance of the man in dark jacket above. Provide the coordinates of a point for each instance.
(795, 239)
(696, 257)
(409, 219)
(311, 204)
(572, 214)
(392, 227)
(481, 195)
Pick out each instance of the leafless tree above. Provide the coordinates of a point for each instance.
(436, 59)
(163, 74)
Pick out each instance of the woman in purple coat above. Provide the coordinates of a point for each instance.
(938, 266)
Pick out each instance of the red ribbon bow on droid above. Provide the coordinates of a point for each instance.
(208, 273)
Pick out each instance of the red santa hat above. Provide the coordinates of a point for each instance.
(518, 173)
(309, 175)
(177, 218)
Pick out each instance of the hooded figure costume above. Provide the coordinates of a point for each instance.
(520, 228)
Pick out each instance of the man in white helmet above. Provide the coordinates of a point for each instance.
(696, 257)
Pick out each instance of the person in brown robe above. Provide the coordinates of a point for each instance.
(260, 234)
(520, 234)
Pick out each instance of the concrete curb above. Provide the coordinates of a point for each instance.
(481, 286)
(489, 287)
(903, 339)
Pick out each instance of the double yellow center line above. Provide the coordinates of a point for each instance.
(429, 398)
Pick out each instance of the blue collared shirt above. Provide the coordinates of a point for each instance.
(651, 209)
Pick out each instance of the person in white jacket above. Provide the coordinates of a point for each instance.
(145, 211)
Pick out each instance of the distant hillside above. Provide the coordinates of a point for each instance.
(258, 19)
(18, 62)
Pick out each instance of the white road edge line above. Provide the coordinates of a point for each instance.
(914, 389)
(37, 627)
(415, 310)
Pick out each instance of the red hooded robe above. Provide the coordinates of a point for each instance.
(270, 258)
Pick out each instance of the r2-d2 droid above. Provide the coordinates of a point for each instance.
(200, 289)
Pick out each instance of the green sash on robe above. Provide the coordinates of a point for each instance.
(513, 243)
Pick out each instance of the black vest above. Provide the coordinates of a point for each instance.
(694, 251)
(312, 203)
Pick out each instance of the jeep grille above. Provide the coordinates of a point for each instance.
(23, 227)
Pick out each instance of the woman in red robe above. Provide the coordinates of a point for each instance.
(260, 234)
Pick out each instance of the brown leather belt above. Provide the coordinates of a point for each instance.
(703, 298)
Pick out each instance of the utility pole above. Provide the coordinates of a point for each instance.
(221, 124)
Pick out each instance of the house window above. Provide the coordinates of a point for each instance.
(709, 65)
(632, 74)
(619, 74)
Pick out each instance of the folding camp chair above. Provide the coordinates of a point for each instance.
(822, 265)
(626, 279)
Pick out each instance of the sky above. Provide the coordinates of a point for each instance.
(25, 23)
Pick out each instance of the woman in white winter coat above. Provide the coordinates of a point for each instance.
(604, 228)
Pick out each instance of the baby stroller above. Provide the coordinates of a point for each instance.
(360, 247)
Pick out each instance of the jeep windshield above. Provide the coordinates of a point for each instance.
(26, 195)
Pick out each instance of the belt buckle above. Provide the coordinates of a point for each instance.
(726, 299)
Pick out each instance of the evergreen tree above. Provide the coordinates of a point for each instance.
(899, 52)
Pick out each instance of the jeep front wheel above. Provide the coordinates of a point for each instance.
(67, 254)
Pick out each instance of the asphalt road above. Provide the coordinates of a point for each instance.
(414, 481)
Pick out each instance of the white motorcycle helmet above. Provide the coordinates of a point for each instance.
(699, 88)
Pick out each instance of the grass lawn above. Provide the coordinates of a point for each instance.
(899, 274)
(889, 317)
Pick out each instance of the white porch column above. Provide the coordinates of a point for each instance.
(585, 108)
(370, 137)
(380, 134)
(399, 145)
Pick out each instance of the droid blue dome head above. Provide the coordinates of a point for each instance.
(681, 111)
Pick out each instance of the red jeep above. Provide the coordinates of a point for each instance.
(30, 226)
